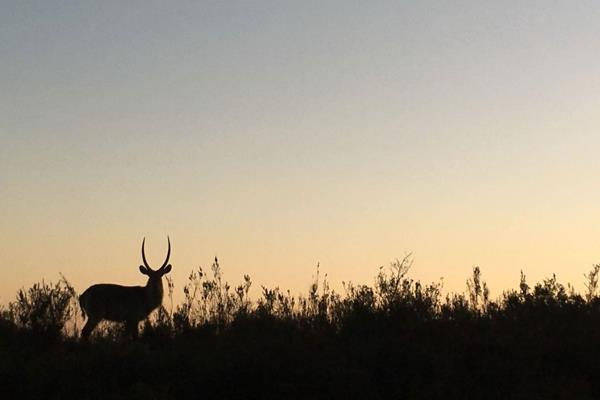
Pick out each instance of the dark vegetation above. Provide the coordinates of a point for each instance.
(396, 339)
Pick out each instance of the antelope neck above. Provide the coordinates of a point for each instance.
(154, 288)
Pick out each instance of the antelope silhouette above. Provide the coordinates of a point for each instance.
(129, 304)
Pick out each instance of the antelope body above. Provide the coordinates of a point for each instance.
(129, 304)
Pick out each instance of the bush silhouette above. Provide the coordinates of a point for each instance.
(44, 309)
(396, 339)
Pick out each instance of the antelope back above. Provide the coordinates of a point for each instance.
(115, 302)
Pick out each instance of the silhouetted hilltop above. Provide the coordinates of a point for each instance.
(397, 339)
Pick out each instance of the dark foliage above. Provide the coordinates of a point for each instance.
(397, 339)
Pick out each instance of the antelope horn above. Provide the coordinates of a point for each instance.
(168, 254)
(144, 255)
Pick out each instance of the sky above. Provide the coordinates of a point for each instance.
(277, 135)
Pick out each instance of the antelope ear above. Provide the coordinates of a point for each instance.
(166, 269)
(144, 270)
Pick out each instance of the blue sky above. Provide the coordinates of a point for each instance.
(281, 134)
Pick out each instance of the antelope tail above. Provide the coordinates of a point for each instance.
(81, 305)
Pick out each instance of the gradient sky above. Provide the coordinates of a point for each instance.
(280, 134)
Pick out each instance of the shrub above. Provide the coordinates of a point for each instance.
(44, 308)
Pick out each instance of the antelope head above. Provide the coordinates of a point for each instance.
(154, 276)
